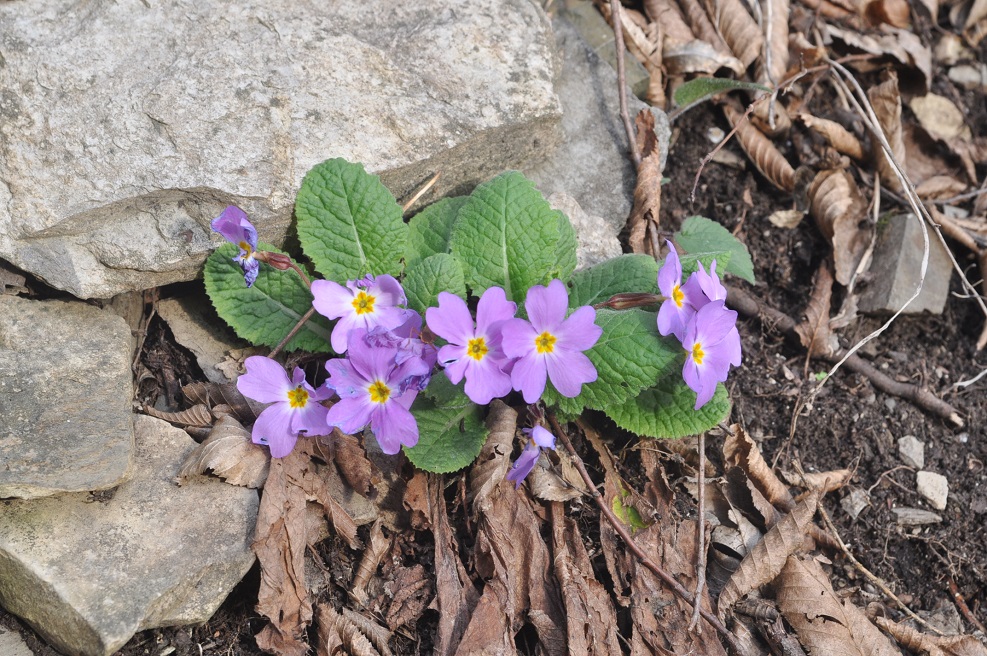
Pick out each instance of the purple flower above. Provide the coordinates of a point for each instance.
(676, 310)
(234, 226)
(295, 405)
(550, 343)
(374, 389)
(538, 439)
(365, 303)
(712, 345)
(474, 351)
(406, 338)
(702, 287)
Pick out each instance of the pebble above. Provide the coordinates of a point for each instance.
(912, 451)
(934, 487)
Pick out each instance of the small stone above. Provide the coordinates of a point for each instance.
(969, 77)
(912, 451)
(596, 241)
(934, 487)
(855, 502)
(12, 644)
(896, 266)
(915, 516)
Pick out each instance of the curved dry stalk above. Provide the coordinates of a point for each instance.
(761, 150)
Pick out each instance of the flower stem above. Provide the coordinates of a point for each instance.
(294, 331)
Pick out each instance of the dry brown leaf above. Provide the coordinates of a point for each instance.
(903, 46)
(896, 13)
(198, 415)
(835, 134)
(213, 394)
(741, 451)
(697, 57)
(231, 454)
(365, 570)
(767, 559)
(940, 187)
(786, 219)
(698, 21)
(548, 485)
(410, 591)
(840, 211)
(925, 643)
(829, 10)
(350, 459)
(825, 623)
(738, 29)
(280, 540)
(813, 331)
(673, 25)
(647, 191)
(770, 116)
(761, 151)
(338, 634)
(940, 117)
(825, 482)
(774, 64)
(886, 101)
(317, 483)
(978, 11)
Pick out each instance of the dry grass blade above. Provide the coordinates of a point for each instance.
(763, 564)
(814, 332)
(840, 211)
(740, 450)
(647, 192)
(825, 623)
(338, 634)
(886, 101)
(841, 139)
(230, 454)
(738, 29)
(924, 643)
(198, 415)
(761, 151)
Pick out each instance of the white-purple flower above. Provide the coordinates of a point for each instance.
(538, 439)
(236, 228)
(474, 351)
(365, 303)
(373, 389)
(551, 345)
(295, 408)
(406, 338)
(712, 345)
(676, 310)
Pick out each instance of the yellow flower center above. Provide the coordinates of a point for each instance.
(297, 398)
(697, 353)
(379, 392)
(677, 295)
(364, 303)
(545, 343)
(245, 247)
(477, 348)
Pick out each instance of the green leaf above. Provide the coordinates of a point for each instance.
(449, 438)
(265, 313)
(666, 410)
(429, 230)
(624, 274)
(701, 88)
(437, 273)
(629, 515)
(690, 261)
(565, 250)
(349, 224)
(699, 234)
(629, 357)
(507, 235)
(444, 394)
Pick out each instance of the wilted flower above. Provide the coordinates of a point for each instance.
(365, 303)
(712, 345)
(234, 226)
(550, 344)
(538, 439)
(295, 408)
(474, 351)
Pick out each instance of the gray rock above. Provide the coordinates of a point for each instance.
(88, 573)
(596, 240)
(125, 127)
(592, 165)
(65, 398)
(912, 451)
(854, 503)
(896, 266)
(934, 487)
(915, 516)
(12, 644)
(195, 326)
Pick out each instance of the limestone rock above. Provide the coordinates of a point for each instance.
(196, 326)
(934, 488)
(596, 241)
(88, 573)
(911, 450)
(11, 644)
(65, 398)
(114, 158)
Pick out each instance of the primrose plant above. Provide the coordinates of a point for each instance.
(424, 323)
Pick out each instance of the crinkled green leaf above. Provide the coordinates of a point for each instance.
(449, 438)
(701, 88)
(444, 394)
(349, 224)
(629, 357)
(507, 235)
(429, 230)
(690, 261)
(437, 273)
(624, 274)
(265, 313)
(666, 410)
(702, 235)
(565, 250)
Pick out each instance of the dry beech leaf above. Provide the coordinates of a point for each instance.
(901, 45)
(840, 211)
(350, 458)
(886, 101)
(841, 139)
(213, 394)
(775, 60)
(698, 21)
(825, 623)
(338, 634)
(410, 591)
(814, 332)
(697, 57)
(978, 11)
(933, 645)
(665, 13)
(230, 454)
(377, 546)
(940, 117)
(770, 116)
(761, 151)
(548, 485)
(647, 191)
(939, 187)
(316, 483)
(896, 13)
(767, 559)
(741, 451)
(786, 219)
(825, 482)
(737, 28)
(198, 415)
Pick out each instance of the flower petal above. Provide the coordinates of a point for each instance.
(235, 227)
(493, 308)
(331, 299)
(713, 322)
(451, 320)
(546, 306)
(265, 380)
(524, 464)
(579, 332)
(388, 290)
(486, 382)
(517, 338)
(394, 425)
(528, 377)
(670, 273)
(273, 427)
(311, 419)
(568, 371)
(352, 414)
(543, 438)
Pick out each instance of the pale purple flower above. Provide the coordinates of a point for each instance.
(474, 351)
(365, 303)
(538, 439)
(234, 226)
(702, 287)
(551, 345)
(373, 389)
(406, 338)
(676, 310)
(712, 345)
(295, 408)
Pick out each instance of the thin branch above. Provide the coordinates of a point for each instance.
(700, 537)
(618, 35)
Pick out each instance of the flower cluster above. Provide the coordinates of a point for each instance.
(696, 313)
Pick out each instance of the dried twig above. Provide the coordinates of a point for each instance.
(421, 192)
(618, 33)
(701, 536)
(964, 609)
